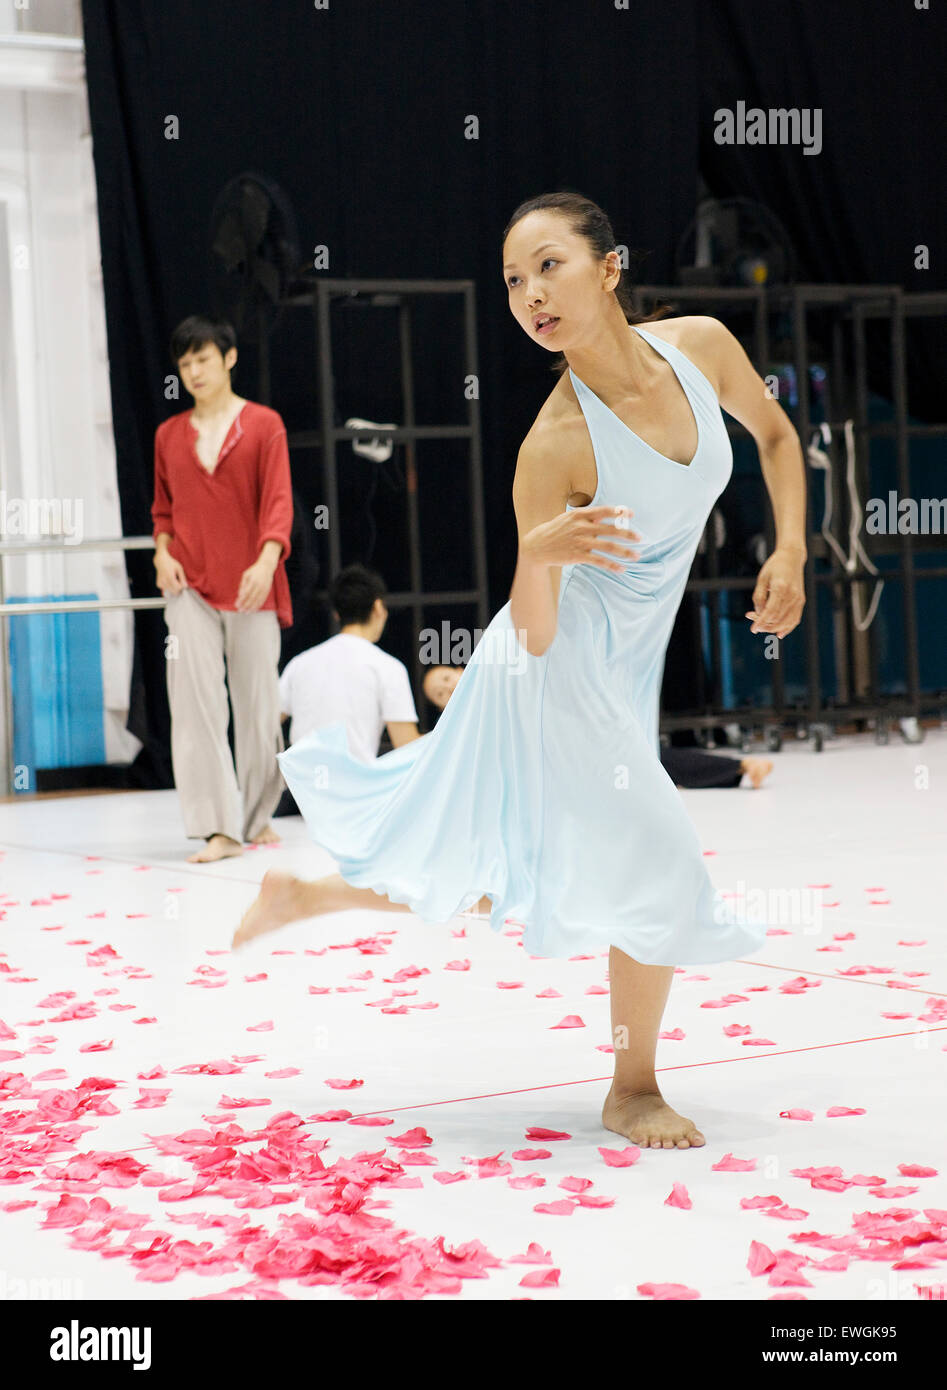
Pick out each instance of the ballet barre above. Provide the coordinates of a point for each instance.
(16, 610)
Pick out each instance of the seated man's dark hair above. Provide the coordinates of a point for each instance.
(353, 592)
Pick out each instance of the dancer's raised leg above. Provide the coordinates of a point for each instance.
(284, 898)
(634, 1105)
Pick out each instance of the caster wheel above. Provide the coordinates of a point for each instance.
(881, 732)
(817, 740)
(746, 742)
(774, 740)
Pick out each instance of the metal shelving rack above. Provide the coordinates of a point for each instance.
(855, 304)
(897, 307)
(398, 294)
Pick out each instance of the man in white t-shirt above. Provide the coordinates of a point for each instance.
(348, 678)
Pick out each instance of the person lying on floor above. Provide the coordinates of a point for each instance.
(687, 767)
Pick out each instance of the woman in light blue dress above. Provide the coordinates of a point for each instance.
(540, 794)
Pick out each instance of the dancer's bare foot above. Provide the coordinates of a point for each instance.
(483, 908)
(282, 898)
(217, 847)
(648, 1120)
(267, 836)
(757, 769)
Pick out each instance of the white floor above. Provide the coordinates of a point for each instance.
(108, 875)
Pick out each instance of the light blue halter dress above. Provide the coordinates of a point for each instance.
(541, 784)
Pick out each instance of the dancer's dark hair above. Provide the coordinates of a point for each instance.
(353, 592)
(192, 333)
(588, 220)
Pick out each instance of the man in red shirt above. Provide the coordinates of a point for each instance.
(222, 514)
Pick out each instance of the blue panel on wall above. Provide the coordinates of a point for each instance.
(56, 678)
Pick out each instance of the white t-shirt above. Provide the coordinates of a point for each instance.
(348, 679)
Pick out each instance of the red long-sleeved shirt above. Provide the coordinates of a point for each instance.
(219, 521)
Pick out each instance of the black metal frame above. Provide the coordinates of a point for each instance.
(856, 303)
(398, 294)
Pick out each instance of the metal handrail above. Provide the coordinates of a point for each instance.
(37, 547)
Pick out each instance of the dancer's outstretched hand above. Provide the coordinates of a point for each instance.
(571, 537)
(780, 595)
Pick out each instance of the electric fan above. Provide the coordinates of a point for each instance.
(256, 254)
(734, 241)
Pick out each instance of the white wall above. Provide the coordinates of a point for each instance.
(56, 440)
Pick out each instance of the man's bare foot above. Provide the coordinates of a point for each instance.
(282, 898)
(648, 1120)
(757, 769)
(267, 836)
(217, 847)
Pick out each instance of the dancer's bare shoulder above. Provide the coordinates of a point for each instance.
(699, 336)
(723, 360)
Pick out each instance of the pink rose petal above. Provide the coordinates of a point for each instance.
(729, 1164)
(535, 1255)
(621, 1158)
(667, 1291)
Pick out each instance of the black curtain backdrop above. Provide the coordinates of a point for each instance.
(358, 112)
(856, 211)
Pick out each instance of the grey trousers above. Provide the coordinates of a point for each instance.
(214, 799)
